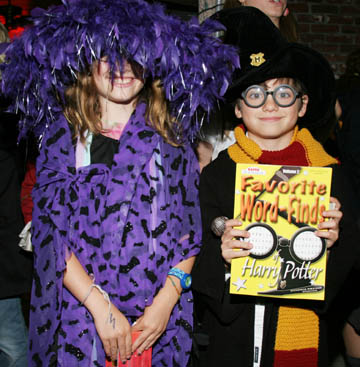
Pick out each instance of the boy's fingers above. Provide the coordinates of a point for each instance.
(233, 254)
(330, 224)
(336, 202)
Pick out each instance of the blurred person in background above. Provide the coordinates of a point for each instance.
(348, 139)
(15, 264)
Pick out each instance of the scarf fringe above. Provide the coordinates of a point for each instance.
(297, 338)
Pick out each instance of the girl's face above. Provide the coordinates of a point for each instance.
(272, 8)
(270, 125)
(123, 88)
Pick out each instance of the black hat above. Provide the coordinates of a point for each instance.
(265, 54)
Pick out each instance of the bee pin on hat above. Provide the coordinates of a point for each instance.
(265, 54)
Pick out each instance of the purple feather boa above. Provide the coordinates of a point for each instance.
(194, 66)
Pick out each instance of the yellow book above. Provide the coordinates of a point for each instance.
(281, 207)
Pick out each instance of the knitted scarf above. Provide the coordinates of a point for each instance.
(297, 331)
(303, 150)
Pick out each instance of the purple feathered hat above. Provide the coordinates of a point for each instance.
(195, 68)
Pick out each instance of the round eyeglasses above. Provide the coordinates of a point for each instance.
(284, 95)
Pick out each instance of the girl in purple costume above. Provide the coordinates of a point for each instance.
(114, 89)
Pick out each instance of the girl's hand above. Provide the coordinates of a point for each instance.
(154, 320)
(112, 327)
(332, 225)
(231, 247)
(114, 331)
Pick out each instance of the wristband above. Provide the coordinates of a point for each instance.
(185, 279)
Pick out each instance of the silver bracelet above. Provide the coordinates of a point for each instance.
(105, 295)
(92, 277)
(87, 294)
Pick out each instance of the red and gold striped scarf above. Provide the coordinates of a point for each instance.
(297, 332)
(303, 150)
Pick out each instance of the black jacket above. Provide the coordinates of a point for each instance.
(15, 264)
(348, 136)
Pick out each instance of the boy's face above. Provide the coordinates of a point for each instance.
(269, 125)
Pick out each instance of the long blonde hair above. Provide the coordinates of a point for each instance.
(82, 109)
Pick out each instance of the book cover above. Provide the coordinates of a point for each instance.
(135, 361)
(281, 207)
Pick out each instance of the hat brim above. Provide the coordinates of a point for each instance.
(303, 64)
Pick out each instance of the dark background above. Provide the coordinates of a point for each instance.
(332, 27)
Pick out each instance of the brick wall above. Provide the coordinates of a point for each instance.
(27, 5)
(332, 27)
(24, 4)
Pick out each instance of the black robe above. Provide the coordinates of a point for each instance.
(229, 319)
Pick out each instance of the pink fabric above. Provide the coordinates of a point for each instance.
(114, 133)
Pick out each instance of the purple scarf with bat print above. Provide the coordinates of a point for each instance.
(127, 225)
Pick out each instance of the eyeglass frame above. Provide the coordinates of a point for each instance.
(279, 241)
(267, 92)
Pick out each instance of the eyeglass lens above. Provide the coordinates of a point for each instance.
(284, 95)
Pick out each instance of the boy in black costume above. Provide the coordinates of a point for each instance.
(282, 93)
